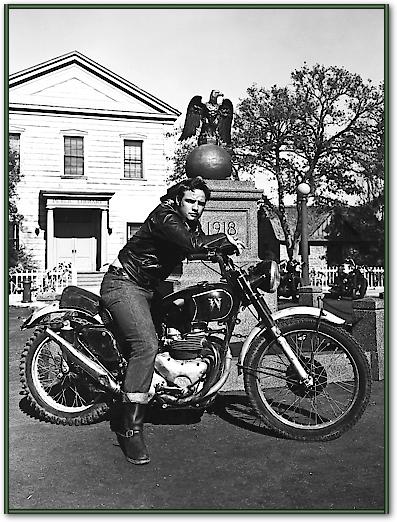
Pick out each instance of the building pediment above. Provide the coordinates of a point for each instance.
(74, 81)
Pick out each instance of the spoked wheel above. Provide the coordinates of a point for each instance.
(334, 401)
(58, 391)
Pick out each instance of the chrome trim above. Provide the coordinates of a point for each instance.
(292, 311)
(94, 369)
(308, 310)
(218, 385)
(274, 277)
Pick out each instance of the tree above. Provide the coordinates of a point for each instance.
(337, 111)
(16, 253)
(14, 177)
(265, 124)
(368, 223)
(314, 130)
(369, 160)
(177, 160)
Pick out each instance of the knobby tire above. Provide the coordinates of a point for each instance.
(42, 404)
(335, 403)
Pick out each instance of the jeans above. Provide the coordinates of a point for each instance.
(129, 305)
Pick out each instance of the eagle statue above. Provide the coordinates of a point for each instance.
(215, 120)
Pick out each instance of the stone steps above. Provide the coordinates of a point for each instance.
(90, 281)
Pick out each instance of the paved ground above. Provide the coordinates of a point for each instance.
(225, 461)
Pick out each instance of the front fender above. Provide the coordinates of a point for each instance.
(37, 316)
(308, 310)
(285, 313)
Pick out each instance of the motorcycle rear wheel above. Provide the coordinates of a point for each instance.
(56, 391)
(342, 381)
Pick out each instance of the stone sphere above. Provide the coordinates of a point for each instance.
(209, 161)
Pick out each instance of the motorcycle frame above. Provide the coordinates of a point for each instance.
(242, 292)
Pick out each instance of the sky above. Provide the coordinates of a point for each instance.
(175, 54)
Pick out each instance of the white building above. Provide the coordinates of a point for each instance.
(92, 159)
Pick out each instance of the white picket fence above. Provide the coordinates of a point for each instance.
(326, 278)
(54, 280)
(60, 277)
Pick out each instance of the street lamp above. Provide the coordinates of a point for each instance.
(303, 191)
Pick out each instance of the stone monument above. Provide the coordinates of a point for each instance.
(233, 205)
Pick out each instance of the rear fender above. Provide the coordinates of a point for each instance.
(46, 314)
(293, 311)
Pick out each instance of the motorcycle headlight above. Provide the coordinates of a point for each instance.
(265, 276)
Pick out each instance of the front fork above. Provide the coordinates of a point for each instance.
(264, 312)
(306, 379)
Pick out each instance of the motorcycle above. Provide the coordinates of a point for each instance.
(289, 279)
(305, 375)
(350, 284)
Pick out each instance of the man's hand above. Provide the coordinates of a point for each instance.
(237, 243)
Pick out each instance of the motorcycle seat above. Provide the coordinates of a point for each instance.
(80, 299)
(86, 301)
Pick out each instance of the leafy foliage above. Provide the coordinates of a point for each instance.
(368, 223)
(325, 129)
(17, 255)
(177, 168)
(14, 177)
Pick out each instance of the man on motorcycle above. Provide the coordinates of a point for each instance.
(170, 233)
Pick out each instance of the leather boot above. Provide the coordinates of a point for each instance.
(130, 436)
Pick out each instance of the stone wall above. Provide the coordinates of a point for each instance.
(368, 330)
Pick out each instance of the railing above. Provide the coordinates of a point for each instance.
(326, 278)
(54, 280)
(60, 277)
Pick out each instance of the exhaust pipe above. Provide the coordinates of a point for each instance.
(97, 371)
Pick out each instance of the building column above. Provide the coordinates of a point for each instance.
(104, 237)
(50, 238)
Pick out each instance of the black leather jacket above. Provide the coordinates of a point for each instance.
(161, 243)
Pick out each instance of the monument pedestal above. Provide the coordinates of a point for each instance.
(368, 329)
(232, 209)
(310, 296)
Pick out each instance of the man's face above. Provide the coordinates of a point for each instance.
(192, 205)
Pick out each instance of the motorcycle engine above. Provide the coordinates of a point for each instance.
(181, 367)
(182, 373)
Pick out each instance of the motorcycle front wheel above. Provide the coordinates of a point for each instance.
(341, 381)
(57, 391)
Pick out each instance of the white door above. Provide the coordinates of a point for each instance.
(76, 238)
(77, 250)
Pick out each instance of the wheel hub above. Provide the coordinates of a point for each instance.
(315, 370)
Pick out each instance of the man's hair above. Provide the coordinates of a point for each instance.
(193, 184)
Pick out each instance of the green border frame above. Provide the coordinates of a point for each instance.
(385, 8)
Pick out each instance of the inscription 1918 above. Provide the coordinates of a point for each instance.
(234, 223)
(227, 227)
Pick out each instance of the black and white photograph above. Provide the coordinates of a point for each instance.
(195, 258)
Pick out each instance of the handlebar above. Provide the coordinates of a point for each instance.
(213, 255)
(207, 256)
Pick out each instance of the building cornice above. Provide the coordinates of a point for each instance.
(82, 194)
(82, 111)
(98, 70)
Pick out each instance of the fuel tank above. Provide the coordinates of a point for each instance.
(204, 302)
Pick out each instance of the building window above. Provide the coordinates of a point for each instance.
(73, 156)
(133, 159)
(132, 228)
